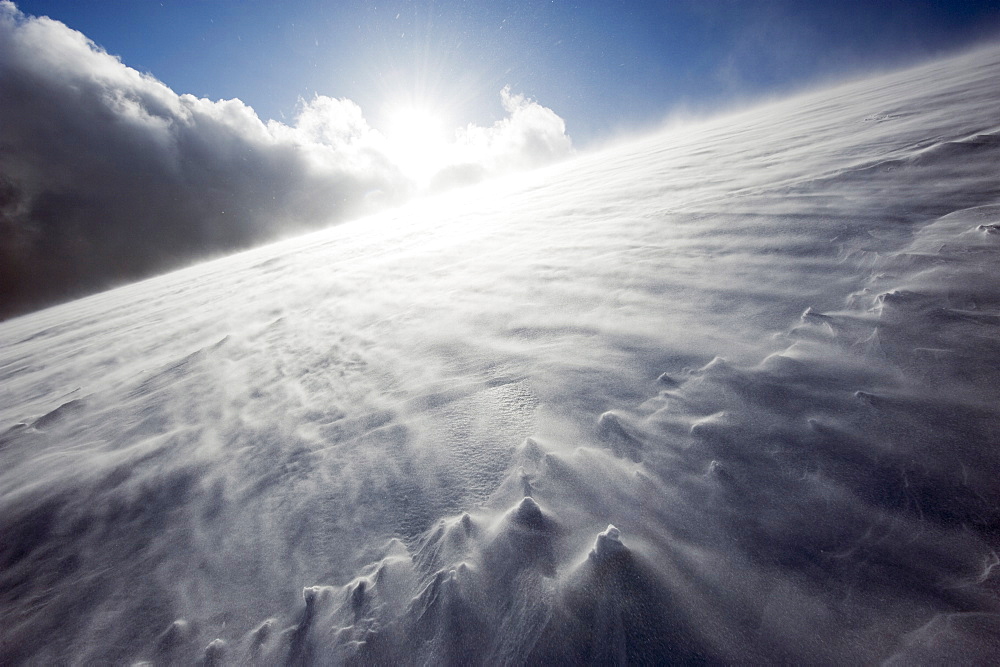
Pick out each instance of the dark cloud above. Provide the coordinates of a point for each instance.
(107, 175)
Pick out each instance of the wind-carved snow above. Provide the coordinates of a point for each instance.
(725, 394)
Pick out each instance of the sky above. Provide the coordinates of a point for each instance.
(605, 67)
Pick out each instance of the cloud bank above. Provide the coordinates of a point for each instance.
(107, 175)
(530, 135)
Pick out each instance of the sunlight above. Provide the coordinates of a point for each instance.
(417, 140)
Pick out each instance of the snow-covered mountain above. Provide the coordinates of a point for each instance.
(730, 393)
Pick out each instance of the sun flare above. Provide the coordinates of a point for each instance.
(417, 140)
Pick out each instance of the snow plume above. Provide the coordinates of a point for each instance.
(107, 175)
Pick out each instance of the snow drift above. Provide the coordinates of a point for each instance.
(725, 394)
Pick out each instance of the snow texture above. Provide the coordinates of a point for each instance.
(726, 394)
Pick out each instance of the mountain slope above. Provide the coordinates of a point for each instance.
(728, 393)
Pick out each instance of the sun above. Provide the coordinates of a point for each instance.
(416, 140)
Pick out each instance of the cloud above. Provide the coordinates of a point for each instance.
(107, 175)
(530, 135)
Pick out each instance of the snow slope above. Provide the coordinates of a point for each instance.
(730, 393)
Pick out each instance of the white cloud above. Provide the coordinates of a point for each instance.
(529, 136)
(108, 175)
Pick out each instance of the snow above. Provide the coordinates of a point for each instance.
(728, 393)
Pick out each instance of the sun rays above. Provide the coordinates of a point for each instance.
(417, 140)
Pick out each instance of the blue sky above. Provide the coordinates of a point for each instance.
(604, 67)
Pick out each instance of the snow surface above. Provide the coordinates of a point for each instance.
(730, 393)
